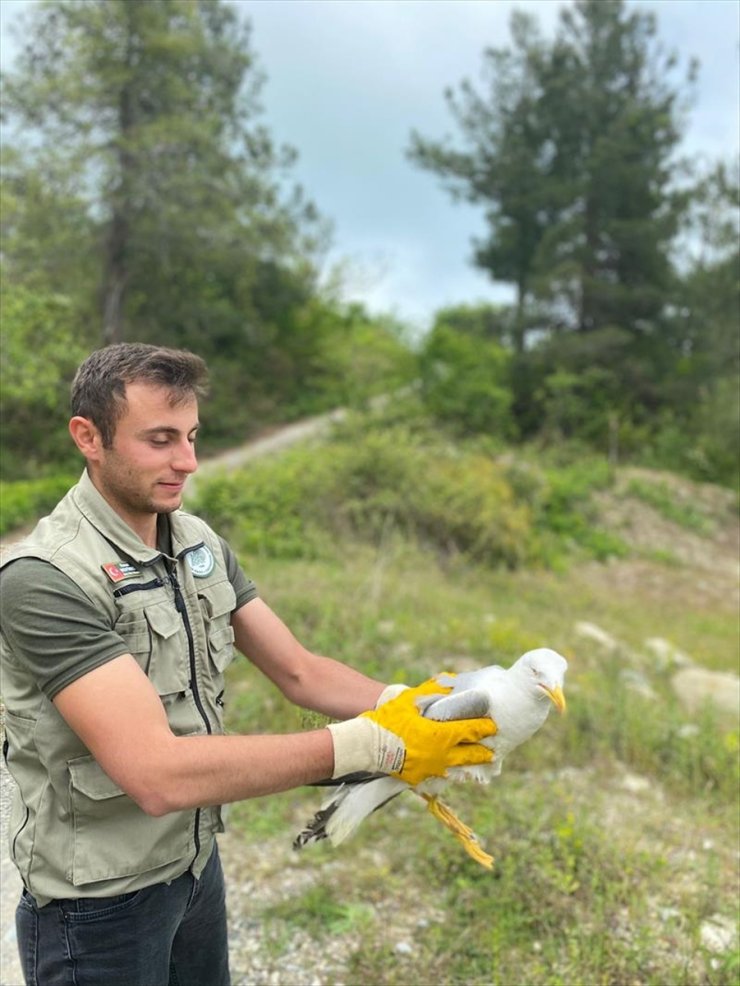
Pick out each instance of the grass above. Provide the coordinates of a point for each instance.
(613, 830)
(663, 499)
(23, 501)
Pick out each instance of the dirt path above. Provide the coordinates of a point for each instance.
(275, 441)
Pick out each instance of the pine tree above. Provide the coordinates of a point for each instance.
(571, 150)
(152, 106)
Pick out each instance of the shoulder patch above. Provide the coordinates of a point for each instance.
(201, 562)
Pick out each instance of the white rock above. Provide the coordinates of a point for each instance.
(667, 653)
(595, 633)
(718, 934)
(636, 784)
(403, 948)
(696, 686)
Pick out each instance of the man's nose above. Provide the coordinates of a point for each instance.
(185, 459)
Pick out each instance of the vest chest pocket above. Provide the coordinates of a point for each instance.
(217, 603)
(136, 636)
(169, 665)
(155, 636)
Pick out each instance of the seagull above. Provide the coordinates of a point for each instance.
(518, 699)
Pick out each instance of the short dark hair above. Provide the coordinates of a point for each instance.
(99, 386)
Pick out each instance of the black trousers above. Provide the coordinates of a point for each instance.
(164, 935)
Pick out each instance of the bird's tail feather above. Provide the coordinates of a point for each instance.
(346, 807)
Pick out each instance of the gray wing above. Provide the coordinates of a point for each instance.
(483, 677)
(469, 704)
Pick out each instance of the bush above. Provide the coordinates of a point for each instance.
(390, 481)
(559, 494)
(24, 501)
(372, 482)
(466, 382)
(40, 353)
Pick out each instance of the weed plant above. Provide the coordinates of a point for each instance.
(614, 830)
(370, 481)
(24, 501)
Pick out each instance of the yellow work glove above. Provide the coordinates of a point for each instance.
(396, 739)
(425, 690)
(389, 692)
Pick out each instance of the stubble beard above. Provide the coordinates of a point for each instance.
(120, 487)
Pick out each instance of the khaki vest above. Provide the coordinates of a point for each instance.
(72, 831)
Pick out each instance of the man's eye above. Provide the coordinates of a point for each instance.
(158, 442)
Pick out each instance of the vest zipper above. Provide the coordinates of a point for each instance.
(6, 749)
(17, 834)
(125, 589)
(182, 610)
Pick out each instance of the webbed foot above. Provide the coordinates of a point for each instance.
(462, 832)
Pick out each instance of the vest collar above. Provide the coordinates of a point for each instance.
(96, 509)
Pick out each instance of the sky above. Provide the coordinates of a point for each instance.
(347, 82)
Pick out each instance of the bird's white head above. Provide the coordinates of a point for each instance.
(544, 671)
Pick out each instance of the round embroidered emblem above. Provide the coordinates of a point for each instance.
(201, 562)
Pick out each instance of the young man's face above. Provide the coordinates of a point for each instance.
(152, 454)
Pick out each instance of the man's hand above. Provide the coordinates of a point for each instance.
(396, 739)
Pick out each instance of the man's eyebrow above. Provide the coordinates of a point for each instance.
(167, 430)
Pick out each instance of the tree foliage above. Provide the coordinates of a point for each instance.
(140, 183)
(40, 353)
(144, 198)
(466, 373)
(150, 110)
(571, 147)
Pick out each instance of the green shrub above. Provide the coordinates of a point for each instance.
(41, 349)
(391, 481)
(466, 382)
(24, 501)
(559, 494)
(262, 509)
(371, 483)
(660, 497)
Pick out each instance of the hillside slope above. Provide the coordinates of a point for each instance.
(614, 832)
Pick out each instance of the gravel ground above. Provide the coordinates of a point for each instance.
(10, 888)
(256, 958)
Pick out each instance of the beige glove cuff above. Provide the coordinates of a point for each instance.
(360, 744)
(389, 692)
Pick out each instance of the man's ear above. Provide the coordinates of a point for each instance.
(86, 437)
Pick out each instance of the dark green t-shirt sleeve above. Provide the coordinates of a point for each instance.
(244, 588)
(51, 626)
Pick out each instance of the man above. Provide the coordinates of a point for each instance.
(119, 617)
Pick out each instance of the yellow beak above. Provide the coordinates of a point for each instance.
(556, 694)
